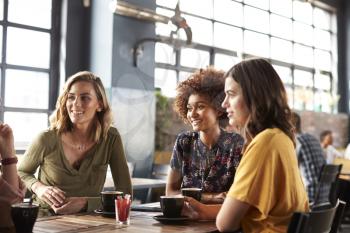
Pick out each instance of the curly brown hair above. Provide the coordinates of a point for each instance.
(209, 83)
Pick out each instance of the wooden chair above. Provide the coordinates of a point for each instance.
(320, 220)
(328, 182)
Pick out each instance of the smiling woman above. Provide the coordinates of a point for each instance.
(73, 155)
(206, 157)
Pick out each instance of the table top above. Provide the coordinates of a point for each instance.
(139, 222)
(140, 183)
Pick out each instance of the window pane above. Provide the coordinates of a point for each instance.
(33, 91)
(1, 9)
(323, 81)
(281, 50)
(194, 58)
(322, 101)
(30, 12)
(164, 53)
(323, 61)
(322, 39)
(285, 74)
(202, 30)
(282, 7)
(228, 37)
(29, 48)
(166, 81)
(303, 99)
(184, 75)
(256, 19)
(303, 55)
(256, 44)
(281, 26)
(263, 4)
(161, 28)
(322, 19)
(191, 6)
(26, 126)
(168, 3)
(302, 11)
(290, 92)
(303, 78)
(303, 33)
(224, 62)
(228, 11)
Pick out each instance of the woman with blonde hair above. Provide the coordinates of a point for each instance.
(74, 153)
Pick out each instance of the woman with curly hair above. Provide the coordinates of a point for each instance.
(206, 157)
(268, 186)
(73, 155)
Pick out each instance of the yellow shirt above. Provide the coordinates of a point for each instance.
(268, 179)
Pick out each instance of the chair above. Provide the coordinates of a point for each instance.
(328, 182)
(338, 217)
(321, 219)
(159, 171)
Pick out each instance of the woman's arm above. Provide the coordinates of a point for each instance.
(230, 215)
(173, 183)
(119, 168)
(213, 198)
(8, 155)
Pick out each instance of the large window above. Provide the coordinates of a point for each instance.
(28, 79)
(297, 37)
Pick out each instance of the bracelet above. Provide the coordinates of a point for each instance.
(9, 161)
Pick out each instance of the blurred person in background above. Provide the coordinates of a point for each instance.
(330, 153)
(310, 160)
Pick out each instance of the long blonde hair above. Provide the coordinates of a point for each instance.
(59, 119)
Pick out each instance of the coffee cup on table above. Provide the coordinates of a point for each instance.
(108, 200)
(24, 216)
(172, 206)
(195, 193)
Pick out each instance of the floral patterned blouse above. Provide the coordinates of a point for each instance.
(213, 169)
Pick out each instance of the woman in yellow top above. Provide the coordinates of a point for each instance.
(73, 155)
(268, 187)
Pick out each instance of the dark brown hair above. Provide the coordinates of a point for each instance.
(265, 97)
(209, 83)
(325, 133)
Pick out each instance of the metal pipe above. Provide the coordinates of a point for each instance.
(126, 9)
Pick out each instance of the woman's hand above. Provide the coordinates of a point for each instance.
(73, 205)
(194, 209)
(7, 148)
(53, 196)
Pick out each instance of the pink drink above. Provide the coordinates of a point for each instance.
(122, 209)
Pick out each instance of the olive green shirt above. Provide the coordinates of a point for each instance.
(46, 153)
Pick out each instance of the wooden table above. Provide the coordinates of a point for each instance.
(139, 222)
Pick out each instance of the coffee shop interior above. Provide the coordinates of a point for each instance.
(141, 50)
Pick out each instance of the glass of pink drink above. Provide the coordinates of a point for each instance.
(122, 209)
